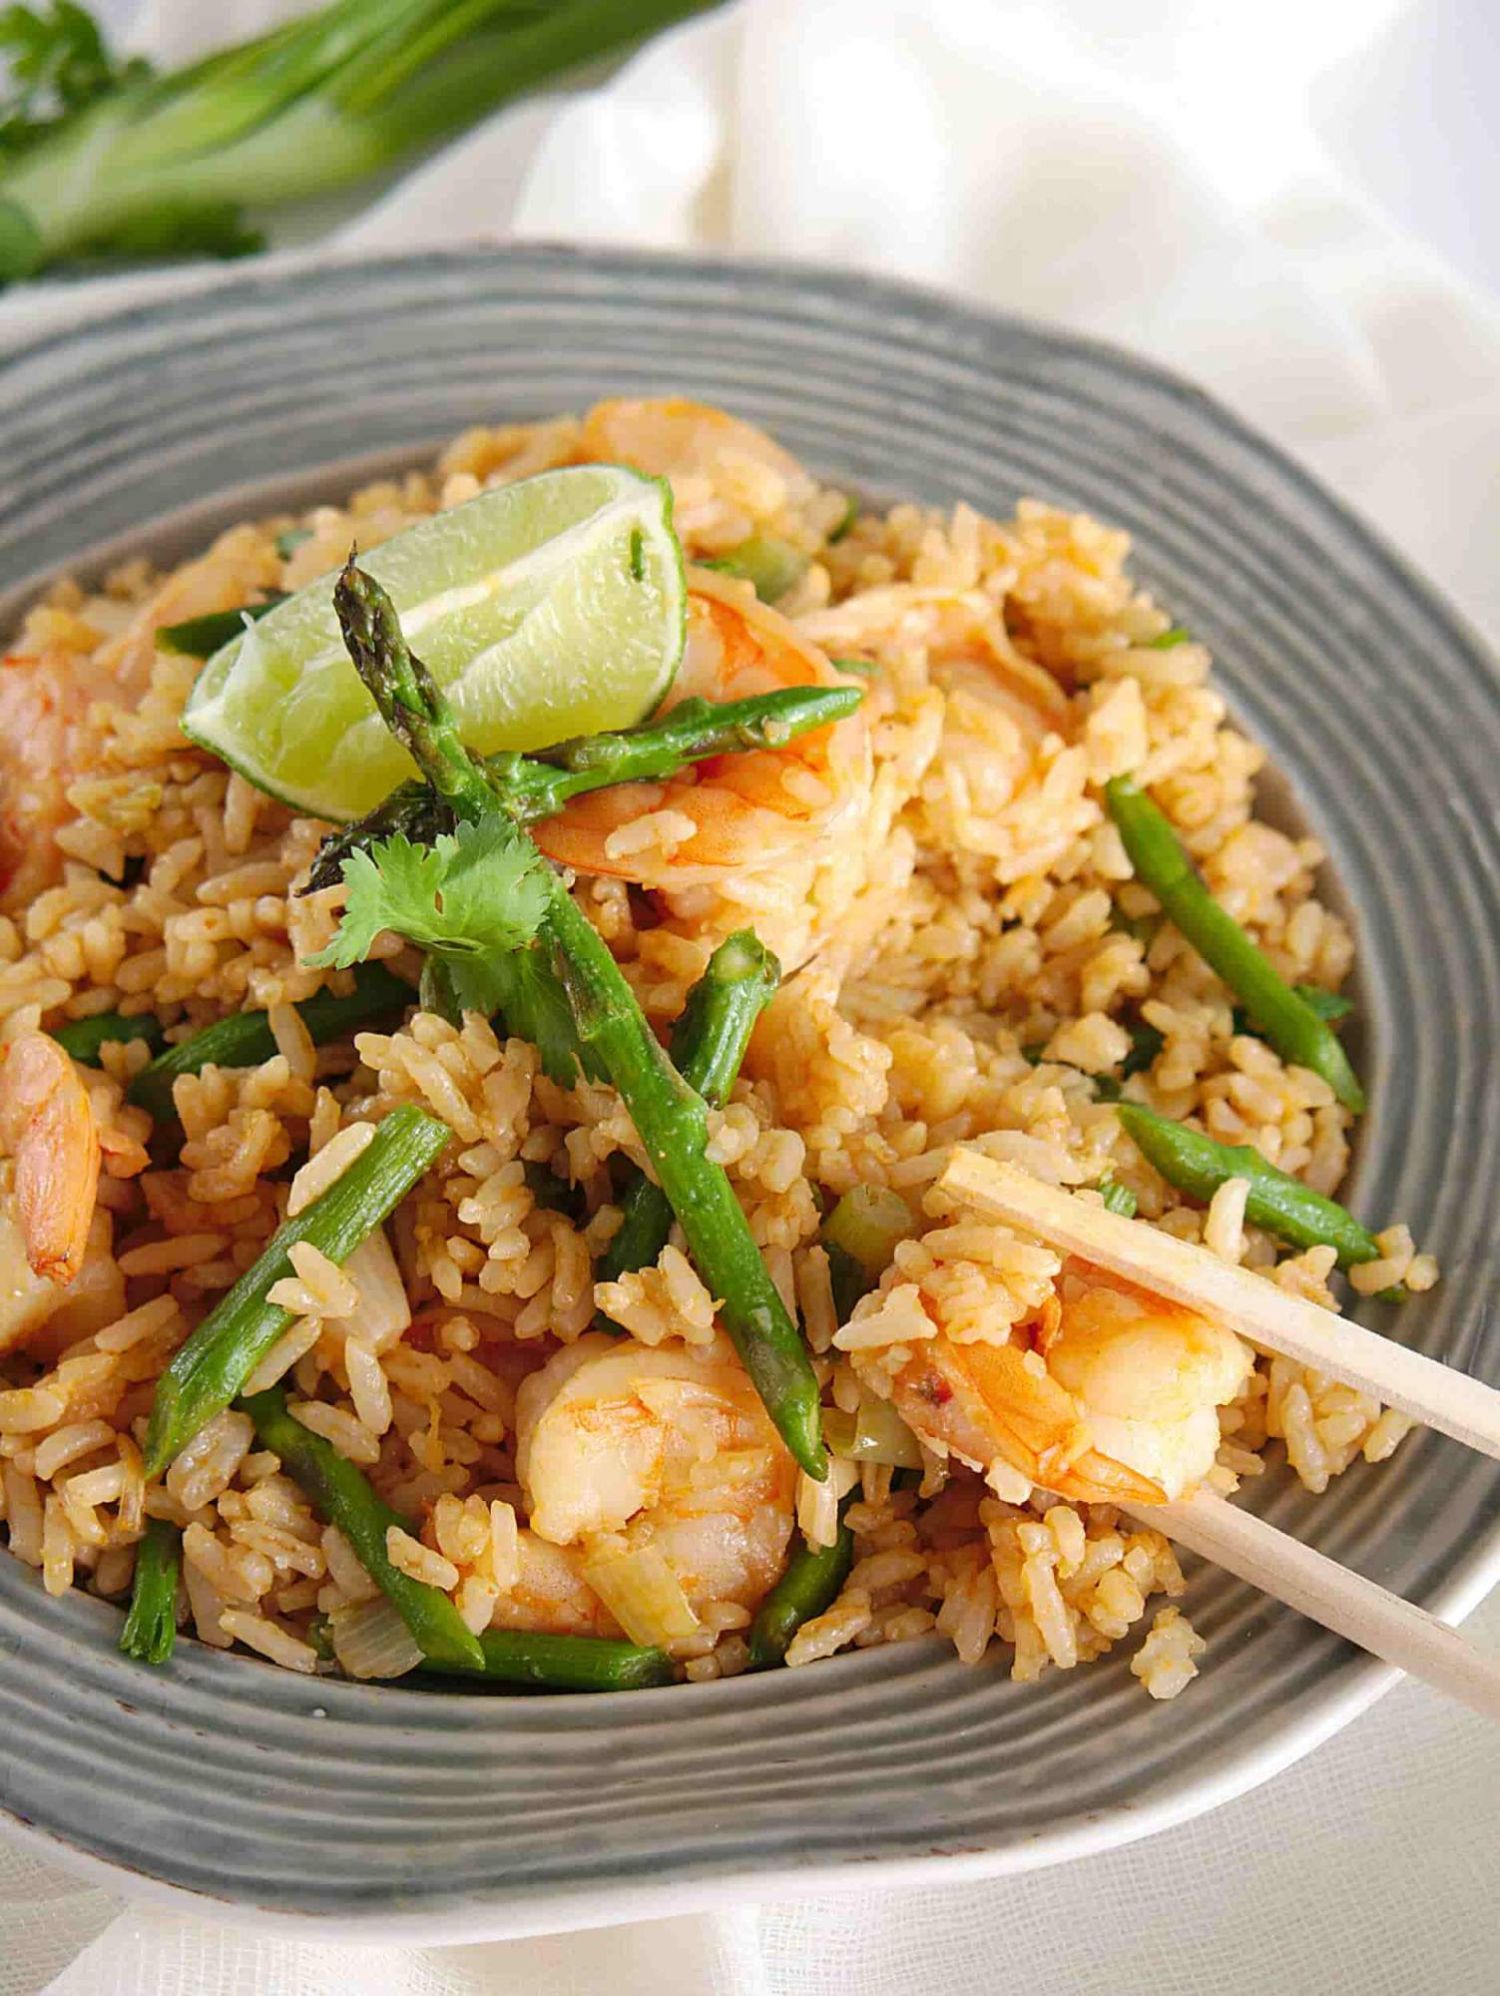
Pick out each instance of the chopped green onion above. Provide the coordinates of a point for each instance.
(771, 564)
(1167, 640)
(869, 1223)
(1117, 1198)
(548, 1190)
(1146, 1042)
(874, 1433)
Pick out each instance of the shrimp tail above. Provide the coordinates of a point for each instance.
(47, 1124)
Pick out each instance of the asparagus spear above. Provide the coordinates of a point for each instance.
(670, 1117)
(210, 1369)
(1286, 1021)
(201, 637)
(708, 1046)
(82, 1038)
(810, 1584)
(245, 1040)
(536, 786)
(571, 1663)
(150, 1629)
(1283, 1205)
(342, 1496)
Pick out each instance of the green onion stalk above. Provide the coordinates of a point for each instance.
(167, 165)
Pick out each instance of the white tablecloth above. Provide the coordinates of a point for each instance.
(1154, 175)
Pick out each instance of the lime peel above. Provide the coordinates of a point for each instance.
(549, 608)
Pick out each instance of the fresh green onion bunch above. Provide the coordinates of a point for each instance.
(104, 159)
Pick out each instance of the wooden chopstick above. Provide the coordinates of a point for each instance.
(1326, 1592)
(1436, 1394)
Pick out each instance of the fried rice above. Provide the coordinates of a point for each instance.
(968, 956)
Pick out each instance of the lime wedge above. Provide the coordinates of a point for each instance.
(549, 608)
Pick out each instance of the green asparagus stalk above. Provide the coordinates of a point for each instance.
(670, 1118)
(1284, 1206)
(1287, 1022)
(571, 1663)
(245, 1040)
(672, 1122)
(708, 1046)
(150, 1630)
(82, 1038)
(810, 1584)
(536, 786)
(342, 1496)
(201, 637)
(212, 1367)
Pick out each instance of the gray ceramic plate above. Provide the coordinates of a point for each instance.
(447, 1816)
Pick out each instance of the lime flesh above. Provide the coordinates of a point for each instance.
(548, 608)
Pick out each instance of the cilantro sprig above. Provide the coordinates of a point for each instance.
(471, 898)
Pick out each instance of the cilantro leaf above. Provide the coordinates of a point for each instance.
(473, 894)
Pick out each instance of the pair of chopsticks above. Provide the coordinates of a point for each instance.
(1237, 1540)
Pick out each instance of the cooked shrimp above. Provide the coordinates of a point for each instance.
(736, 812)
(52, 723)
(667, 1447)
(47, 1125)
(34, 1311)
(670, 437)
(1122, 1406)
(46, 739)
(551, 1594)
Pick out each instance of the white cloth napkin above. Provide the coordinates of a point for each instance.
(1152, 175)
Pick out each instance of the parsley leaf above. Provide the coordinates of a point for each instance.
(472, 896)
